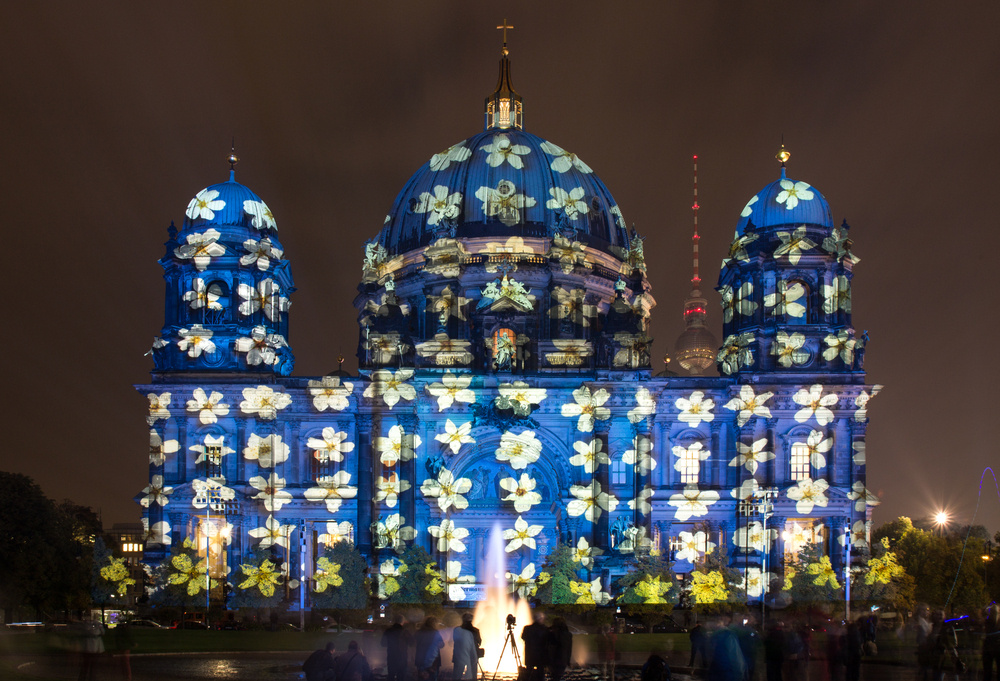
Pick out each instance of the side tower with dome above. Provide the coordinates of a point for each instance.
(504, 386)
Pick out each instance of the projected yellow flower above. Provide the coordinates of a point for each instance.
(589, 593)
(652, 590)
(189, 574)
(584, 554)
(823, 573)
(708, 587)
(117, 573)
(264, 577)
(884, 569)
(387, 582)
(327, 574)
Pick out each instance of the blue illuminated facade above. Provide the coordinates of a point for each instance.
(504, 379)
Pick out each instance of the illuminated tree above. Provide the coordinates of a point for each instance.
(647, 588)
(259, 581)
(418, 580)
(560, 570)
(341, 582)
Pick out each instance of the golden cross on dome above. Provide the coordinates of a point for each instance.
(504, 26)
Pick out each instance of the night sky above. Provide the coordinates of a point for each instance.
(115, 114)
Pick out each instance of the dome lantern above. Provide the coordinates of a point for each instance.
(504, 108)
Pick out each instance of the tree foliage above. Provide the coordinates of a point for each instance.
(351, 593)
(558, 572)
(417, 572)
(259, 581)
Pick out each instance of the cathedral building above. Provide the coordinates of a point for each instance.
(505, 382)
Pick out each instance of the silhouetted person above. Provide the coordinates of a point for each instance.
(466, 640)
(775, 650)
(428, 653)
(655, 669)
(835, 652)
(396, 641)
(352, 665)
(91, 647)
(607, 652)
(536, 647)
(319, 665)
(560, 648)
(698, 640)
(991, 643)
(853, 647)
(726, 661)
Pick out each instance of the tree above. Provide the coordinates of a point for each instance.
(558, 573)
(713, 584)
(647, 590)
(341, 580)
(417, 572)
(180, 578)
(883, 581)
(258, 582)
(811, 580)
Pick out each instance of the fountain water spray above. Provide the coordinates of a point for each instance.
(491, 613)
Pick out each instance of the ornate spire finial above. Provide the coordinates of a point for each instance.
(504, 106)
(233, 160)
(783, 154)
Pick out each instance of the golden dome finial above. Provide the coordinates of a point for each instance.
(783, 155)
(504, 26)
(233, 158)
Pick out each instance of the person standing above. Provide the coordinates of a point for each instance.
(352, 665)
(560, 648)
(775, 650)
(466, 640)
(607, 652)
(92, 646)
(396, 641)
(697, 636)
(536, 647)
(319, 665)
(428, 653)
(853, 649)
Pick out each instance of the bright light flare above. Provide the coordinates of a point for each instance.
(941, 518)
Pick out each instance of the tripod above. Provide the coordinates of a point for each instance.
(513, 649)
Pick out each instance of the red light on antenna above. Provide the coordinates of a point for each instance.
(695, 157)
(695, 206)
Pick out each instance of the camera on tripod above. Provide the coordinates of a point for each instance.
(511, 621)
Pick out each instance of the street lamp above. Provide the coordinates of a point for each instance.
(759, 503)
(987, 557)
(941, 519)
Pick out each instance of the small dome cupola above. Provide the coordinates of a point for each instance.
(504, 108)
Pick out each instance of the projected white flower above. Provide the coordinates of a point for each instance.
(837, 296)
(584, 554)
(330, 393)
(633, 538)
(788, 348)
(749, 488)
(738, 248)
(273, 533)
(209, 407)
(590, 501)
(260, 346)
(841, 345)
(266, 296)
(519, 397)
(645, 405)
(862, 497)
(689, 458)
(859, 534)
(391, 386)
(692, 502)
(449, 537)
(388, 488)
(749, 405)
(260, 252)
(202, 295)
(523, 534)
(740, 301)
(861, 402)
(447, 489)
(261, 215)
(567, 253)
(212, 448)
(521, 492)
(570, 352)
(159, 448)
(793, 192)
(501, 149)
(196, 340)
(784, 300)
(858, 457)
(808, 493)
(504, 202)
(641, 501)
(793, 244)
(155, 492)
(590, 455)
(839, 244)
(453, 154)
(752, 456)
(440, 204)
(271, 491)
(454, 578)
(335, 532)
(331, 446)
(756, 582)
(204, 205)
(693, 546)
(748, 209)
(201, 248)
(818, 445)
(588, 407)
(264, 402)
(735, 353)
(332, 490)
(159, 533)
(695, 409)
(267, 451)
(455, 436)
(814, 403)
(797, 537)
(753, 537)
(639, 456)
(452, 389)
(570, 202)
(564, 160)
(569, 304)
(522, 584)
(392, 531)
(519, 449)
(397, 446)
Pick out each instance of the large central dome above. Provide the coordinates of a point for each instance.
(503, 183)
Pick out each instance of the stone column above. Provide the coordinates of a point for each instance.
(601, 528)
(365, 432)
(407, 470)
(715, 477)
(770, 472)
